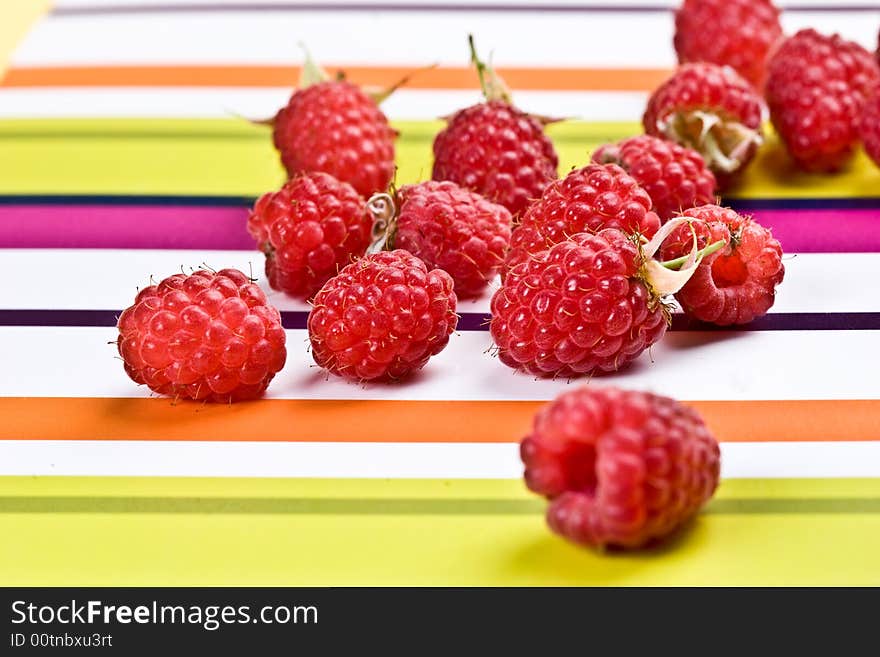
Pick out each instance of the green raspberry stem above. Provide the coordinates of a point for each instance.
(708, 250)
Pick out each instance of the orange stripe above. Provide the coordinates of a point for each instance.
(563, 79)
(395, 421)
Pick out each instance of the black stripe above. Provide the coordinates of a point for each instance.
(92, 10)
(297, 319)
(746, 204)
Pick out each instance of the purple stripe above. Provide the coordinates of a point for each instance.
(403, 6)
(298, 319)
(123, 227)
(209, 227)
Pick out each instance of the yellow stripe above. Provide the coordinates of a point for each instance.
(130, 531)
(232, 157)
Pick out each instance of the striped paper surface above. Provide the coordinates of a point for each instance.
(123, 155)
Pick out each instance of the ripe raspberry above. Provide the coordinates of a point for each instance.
(454, 229)
(711, 109)
(495, 149)
(816, 90)
(737, 283)
(620, 468)
(587, 200)
(736, 33)
(870, 127)
(675, 177)
(382, 317)
(336, 128)
(581, 306)
(209, 336)
(309, 229)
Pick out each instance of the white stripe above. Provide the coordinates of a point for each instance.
(261, 103)
(78, 362)
(386, 460)
(814, 282)
(351, 37)
(587, 39)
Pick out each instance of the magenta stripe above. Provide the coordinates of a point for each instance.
(223, 227)
(123, 227)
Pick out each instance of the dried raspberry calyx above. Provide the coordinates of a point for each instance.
(491, 83)
(724, 143)
(667, 278)
(384, 209)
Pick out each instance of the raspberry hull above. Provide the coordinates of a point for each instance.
(579, 307)
(736, 33)
(208, 336)
(674, 177)
(711, 109)
(498, 151)
(620, 468)
(590, 199)
(816, 91)
(308, 230)
(336, 128)
(382, 317)
(736, 284)
(456, 230)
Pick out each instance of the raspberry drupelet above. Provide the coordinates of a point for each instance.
(207, 336)
(382, 317)
(870, 127)
(735, 284)
(735, 33)
(450, 228)
(587, 200)
(817, 87)
(621, 468)
(335, 127)
(309, 229)
(496, 149)
(674, 177)
(711, 109)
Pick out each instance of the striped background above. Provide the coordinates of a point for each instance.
(122, 155)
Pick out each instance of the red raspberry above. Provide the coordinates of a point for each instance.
(453, 229)
(735, 284)
(309, 229)
(210, 336)
(736, 33)
(816, 90)
(495, 149)
(870, 127)
(675, 177)
(580, 307)
(587, 200)
(336, 128)
(382, 317)
(711, 109)
(620, 468)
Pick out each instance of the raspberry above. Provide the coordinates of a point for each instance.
(737, 283)
(336, 128)
(309, 229)
(711, 109)
(453, 229)
(620, 468)
(579, 307)
(870, 127)
(382, 317)
(816, 90)
(495, 149)
(587, 200)
(736, 33)
(208, 336)
(675, 177)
